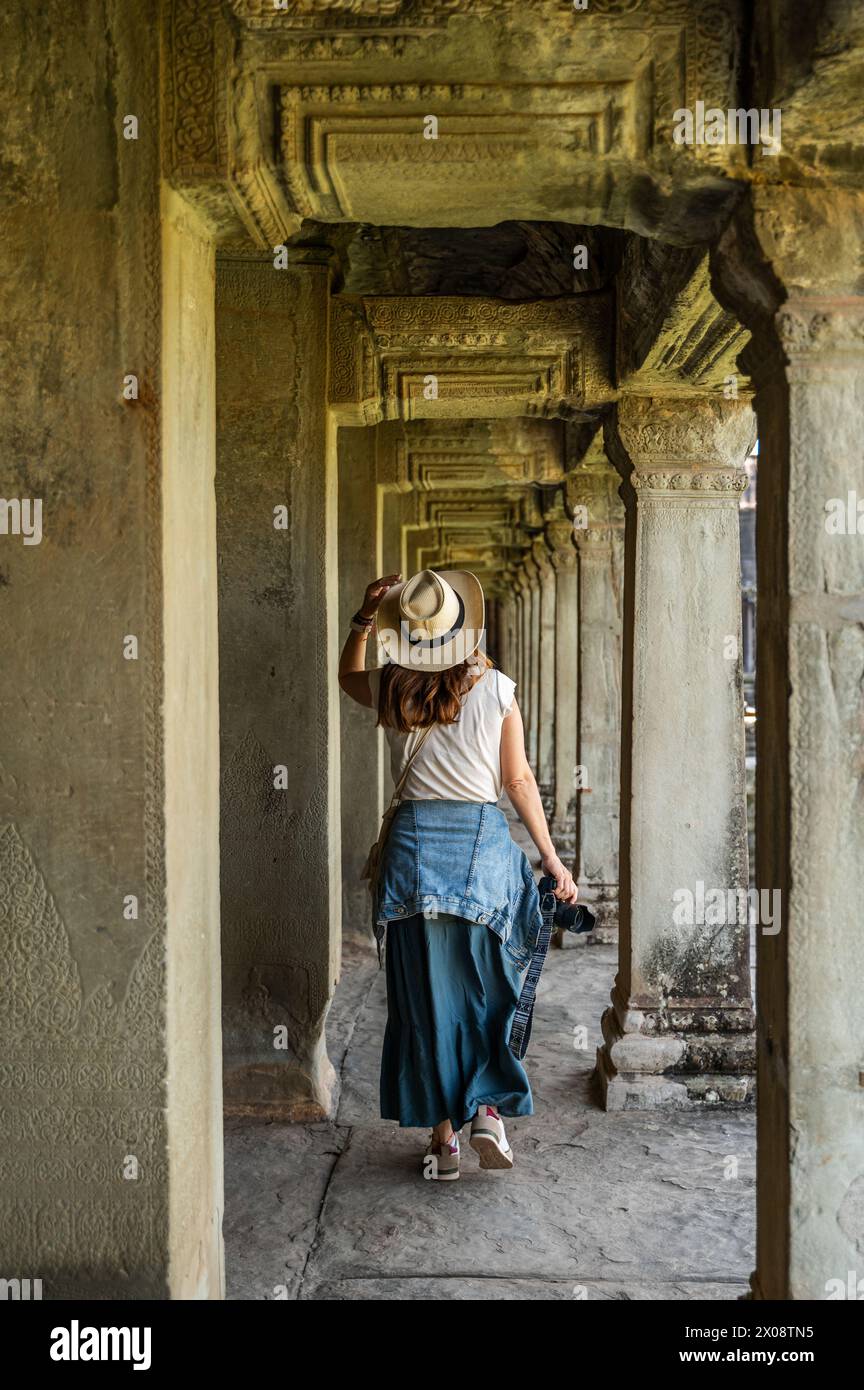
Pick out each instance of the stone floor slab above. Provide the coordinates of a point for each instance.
(626, 1206)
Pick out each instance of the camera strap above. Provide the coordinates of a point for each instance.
(520, 1031)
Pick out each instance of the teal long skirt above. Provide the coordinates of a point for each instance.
(451, 996)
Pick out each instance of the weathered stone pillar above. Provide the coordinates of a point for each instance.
(523, 593)
(278, 656)
(592, 487)
(564, 558)
(790, 267)
(505, 630)
(361, 774)
(493, 641)
(545, 673)
(511, 663)
(680, 1026)
(512, 666)
(394, 559)
(532, 658)
(110, 1085)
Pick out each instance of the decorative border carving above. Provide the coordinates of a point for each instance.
(195, 100)
(81, 1086)
(821, 326)
(527, 357)
(712, 480)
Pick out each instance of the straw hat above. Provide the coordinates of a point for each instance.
(433, 620)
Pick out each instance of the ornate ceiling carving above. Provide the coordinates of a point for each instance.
(404, 358)
(357, 152)
(275, 114)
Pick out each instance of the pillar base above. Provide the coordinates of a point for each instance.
(602, 900)
(678, 1057)
(564, 838)
(301, 1111)
(299, 1087)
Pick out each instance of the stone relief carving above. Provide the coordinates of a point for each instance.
(804, 328)
(563, 553)
(713, 480)
(530, 358)
(341, 143)
(695, 432)
(196, 125)
(81, 1088)
(336, 164)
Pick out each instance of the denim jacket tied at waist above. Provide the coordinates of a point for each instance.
(458, 857)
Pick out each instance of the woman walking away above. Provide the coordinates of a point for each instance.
(454, 894)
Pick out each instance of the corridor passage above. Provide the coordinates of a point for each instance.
(600, 1205)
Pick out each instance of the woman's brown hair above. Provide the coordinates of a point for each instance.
(412, 699)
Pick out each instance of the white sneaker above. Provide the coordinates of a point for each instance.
(441, 1159)
(489, 1140)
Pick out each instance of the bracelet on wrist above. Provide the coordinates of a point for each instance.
(361, 624)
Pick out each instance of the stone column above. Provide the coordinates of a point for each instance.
(532, 657)
(110, 1086)
(593, 488)
(809, 822)
(510, 664)
(523, 591)
(493, 642)
(559, 535)
(513, 639)
(394, 558)
(359, 562)
(505, 618)
(804, 307)
(545, 673)
(681, 1023)
(278, 658)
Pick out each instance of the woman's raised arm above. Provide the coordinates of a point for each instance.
(352, 663)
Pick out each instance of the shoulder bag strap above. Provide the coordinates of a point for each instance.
(407, 768)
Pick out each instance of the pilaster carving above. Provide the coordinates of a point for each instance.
(354, 393)
(195, 131)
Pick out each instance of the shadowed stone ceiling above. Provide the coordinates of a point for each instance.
(515, 260)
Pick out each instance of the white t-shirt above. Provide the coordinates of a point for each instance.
(461, 761)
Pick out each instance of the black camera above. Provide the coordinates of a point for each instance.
(572, 917)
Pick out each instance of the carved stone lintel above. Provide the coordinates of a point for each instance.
(464, 356)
